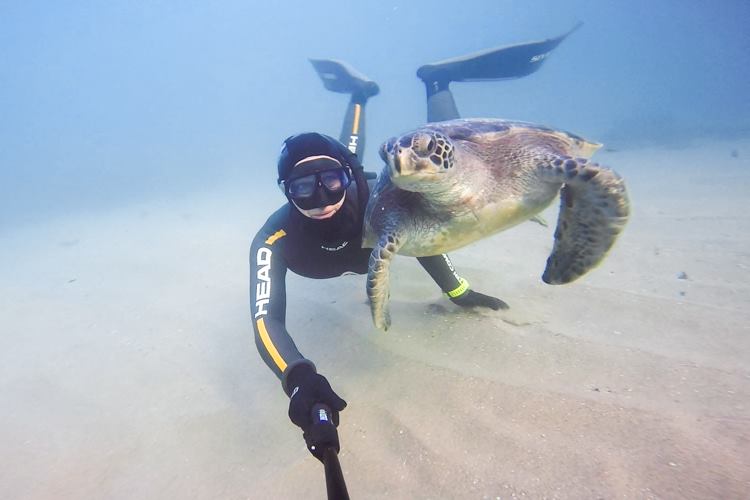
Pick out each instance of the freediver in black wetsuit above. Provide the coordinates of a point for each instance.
(318, 233)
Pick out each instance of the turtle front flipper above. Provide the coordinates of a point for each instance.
(378, 278)
(594, 209)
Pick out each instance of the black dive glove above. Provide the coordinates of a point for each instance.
(476, 299)
(306, 389)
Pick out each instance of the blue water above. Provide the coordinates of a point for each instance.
(105, 102)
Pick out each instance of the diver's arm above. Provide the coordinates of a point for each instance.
(305, 387)
(454, 286)
(268, 306)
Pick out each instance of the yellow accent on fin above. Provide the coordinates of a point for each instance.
(275, 236)
(463, 285)
(269, 345)
(355, 125)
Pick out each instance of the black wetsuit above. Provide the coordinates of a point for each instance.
(291, 241)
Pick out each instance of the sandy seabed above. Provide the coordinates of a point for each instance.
(129, 369)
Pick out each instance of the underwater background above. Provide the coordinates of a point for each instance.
(103, 103)
(138, 147)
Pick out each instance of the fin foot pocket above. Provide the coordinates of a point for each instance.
(339, 77)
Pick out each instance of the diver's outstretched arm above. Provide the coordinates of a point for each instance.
(503, 63)
(339, 77)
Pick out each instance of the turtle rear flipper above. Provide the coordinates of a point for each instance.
(340, 77)
(594, 209)
(378, 278)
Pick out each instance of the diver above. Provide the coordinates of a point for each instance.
(318, 232)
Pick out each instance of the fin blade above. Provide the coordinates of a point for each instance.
(501, 63)
(338, 76)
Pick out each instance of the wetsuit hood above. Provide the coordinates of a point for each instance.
(346, 224)
(303, 150)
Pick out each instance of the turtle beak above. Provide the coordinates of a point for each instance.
(396, 163)
(402, 162)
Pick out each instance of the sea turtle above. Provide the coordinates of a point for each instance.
(451, 183)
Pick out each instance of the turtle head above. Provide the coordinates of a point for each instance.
(418, 161)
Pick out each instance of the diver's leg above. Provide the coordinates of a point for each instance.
(340, 77)
(440, 103)
(503, 63)
(353, 130)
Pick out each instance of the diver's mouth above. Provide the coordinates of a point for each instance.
(322, 213)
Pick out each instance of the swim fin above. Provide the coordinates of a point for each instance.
(502, 63)
(340, 77)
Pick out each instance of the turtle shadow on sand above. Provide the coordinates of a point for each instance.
(449, 184)
(435, 309)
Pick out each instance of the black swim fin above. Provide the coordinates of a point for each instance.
(340, 77)
(502, 63)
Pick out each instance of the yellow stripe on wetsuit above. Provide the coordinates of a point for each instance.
(463, 285)
(264, 337)
(275, 236)
(280, 363)
(355, 125)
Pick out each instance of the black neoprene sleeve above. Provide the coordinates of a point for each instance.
(268, 305)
